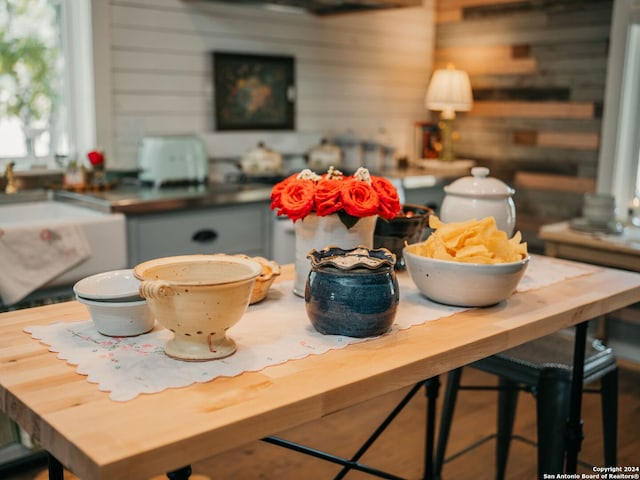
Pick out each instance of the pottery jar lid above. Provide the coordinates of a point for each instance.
(352, 259)
(480, 184)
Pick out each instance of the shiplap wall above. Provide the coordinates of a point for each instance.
(538, 71)
(361, 72)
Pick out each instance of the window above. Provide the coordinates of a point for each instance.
(41, 62)
(627, 145)
(619, 162)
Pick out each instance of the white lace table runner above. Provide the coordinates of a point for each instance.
(129, 366)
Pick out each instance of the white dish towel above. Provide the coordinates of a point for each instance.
(32, 256)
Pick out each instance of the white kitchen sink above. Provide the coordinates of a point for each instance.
(105, 232)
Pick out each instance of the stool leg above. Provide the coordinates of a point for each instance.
(432, 387)
(507, 403)
(56, 470)
(609, 394)
(448, 405)
(554, 388)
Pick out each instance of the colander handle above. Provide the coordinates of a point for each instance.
(155, 289)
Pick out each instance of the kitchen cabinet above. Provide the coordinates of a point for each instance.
(233, 228)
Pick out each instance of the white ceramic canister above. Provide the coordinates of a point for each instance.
(478, 196)
(349, 143)
(261, 160)
(323, 156)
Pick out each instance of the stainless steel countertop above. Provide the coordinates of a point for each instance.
(132, 200)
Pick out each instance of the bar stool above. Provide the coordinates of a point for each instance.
(542, 367)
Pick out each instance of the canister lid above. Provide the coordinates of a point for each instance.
(479, 184)
(324, 148)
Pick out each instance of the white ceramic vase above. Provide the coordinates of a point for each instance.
(314, 232)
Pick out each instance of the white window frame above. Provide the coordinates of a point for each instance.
(79, 85)
(618, 164)
(102, 82)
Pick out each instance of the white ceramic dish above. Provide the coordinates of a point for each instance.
(120, 319)
(464, 284)
(116, 285)
(270, 270)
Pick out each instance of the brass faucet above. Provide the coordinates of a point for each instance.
(11, 186)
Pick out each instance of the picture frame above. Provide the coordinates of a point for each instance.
(253, 92)
(427, 140)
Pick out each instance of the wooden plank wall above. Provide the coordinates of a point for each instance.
(361, 72)
(537, 70)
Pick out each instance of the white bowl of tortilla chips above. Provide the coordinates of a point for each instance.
(467, 264)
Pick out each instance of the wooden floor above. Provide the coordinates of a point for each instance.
(399, 449)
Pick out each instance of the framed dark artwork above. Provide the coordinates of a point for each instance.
(427, 140)
(253, 92)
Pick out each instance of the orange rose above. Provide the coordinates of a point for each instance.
(328, 196)
(388, 196)
(278, 188)
(359, 198)
(297, 199)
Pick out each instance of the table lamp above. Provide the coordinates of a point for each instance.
(449, 92)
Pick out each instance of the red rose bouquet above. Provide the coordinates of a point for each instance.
(350, 197)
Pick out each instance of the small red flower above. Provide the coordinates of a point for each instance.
(96, 158)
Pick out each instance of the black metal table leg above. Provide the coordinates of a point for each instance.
(181, 474)
(381, 428)
(432, 388)
(56, 470)
(574, 423)
(330, 458)
(352, 463)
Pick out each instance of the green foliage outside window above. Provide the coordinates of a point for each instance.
(29, 57)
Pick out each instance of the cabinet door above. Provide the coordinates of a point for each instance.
(229, 229)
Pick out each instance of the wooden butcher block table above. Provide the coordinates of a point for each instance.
(101, 439)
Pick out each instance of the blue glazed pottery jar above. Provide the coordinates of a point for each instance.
(352, 292)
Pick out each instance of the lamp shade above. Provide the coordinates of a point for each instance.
(449, 91)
